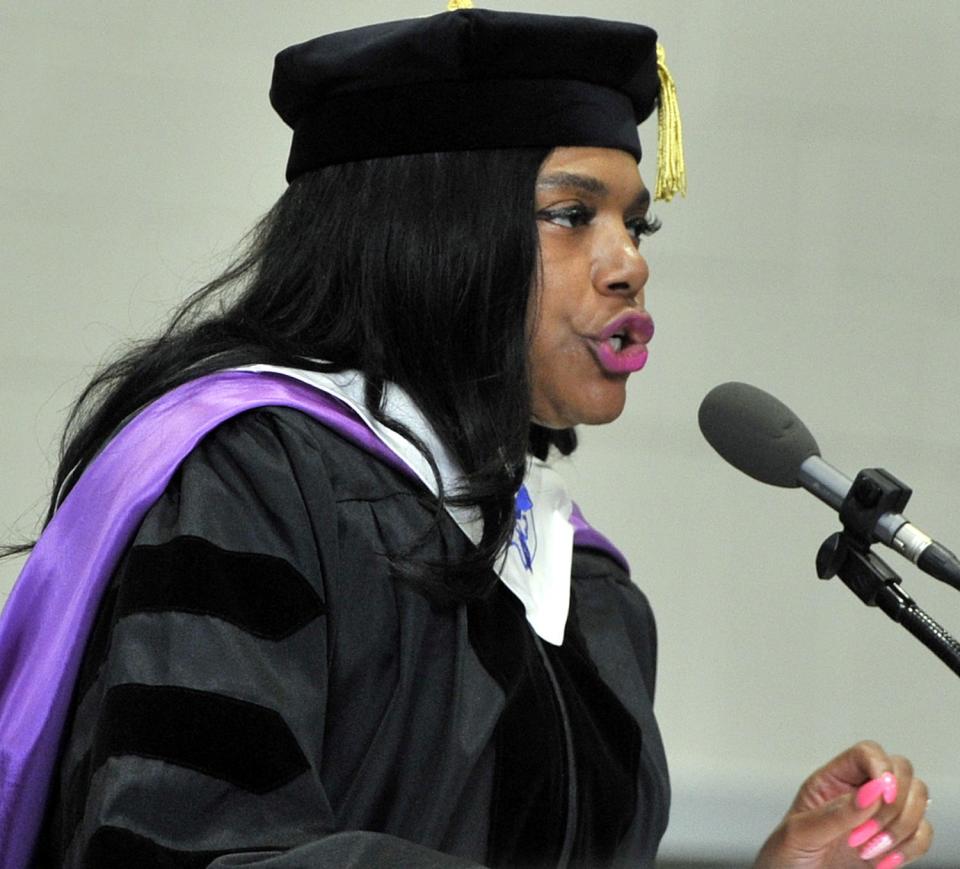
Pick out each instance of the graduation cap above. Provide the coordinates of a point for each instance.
(471, 79)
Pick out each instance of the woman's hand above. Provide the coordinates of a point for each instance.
(863, 808)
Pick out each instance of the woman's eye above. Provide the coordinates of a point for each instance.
(569, 216)
(641, 226)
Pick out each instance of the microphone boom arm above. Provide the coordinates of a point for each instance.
(847, 554)
(876, 584)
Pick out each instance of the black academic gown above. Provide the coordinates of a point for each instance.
(257, 691)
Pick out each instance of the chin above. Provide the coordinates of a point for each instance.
(593, 409)
(604, 403)
(601, 417)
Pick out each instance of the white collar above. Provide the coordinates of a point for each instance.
(537, 563)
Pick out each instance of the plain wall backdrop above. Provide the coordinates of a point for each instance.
(815, 256)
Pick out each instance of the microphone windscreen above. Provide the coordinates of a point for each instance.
(756, 433)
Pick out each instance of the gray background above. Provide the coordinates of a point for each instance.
(816, 257)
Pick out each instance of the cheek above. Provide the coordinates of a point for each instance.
(553, 337)
(558, 318)
(558, 302)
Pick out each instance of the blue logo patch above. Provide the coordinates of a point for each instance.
(525, 532)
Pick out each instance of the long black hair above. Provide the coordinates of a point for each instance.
(416, 270)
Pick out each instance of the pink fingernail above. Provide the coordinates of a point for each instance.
(891, 861)
(870, 792)
(889, 787)
(866, 830)
(876, 846)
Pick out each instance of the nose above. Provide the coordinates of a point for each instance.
(618, 266)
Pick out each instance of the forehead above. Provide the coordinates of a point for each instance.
(615, 170)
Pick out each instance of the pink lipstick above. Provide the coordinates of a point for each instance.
(621, 346)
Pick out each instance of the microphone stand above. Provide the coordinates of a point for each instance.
(847, 554)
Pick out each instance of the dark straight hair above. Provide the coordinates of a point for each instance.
(355, 265)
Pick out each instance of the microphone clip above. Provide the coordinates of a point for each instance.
(867, 575)
(874, 492)
(847, 554)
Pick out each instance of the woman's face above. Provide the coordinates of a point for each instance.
(588, 327)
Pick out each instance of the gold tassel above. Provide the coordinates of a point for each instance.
(671, 171)
(454, 5)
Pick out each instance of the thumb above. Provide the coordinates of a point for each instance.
(816, 828)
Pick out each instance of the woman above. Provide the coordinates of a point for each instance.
(341, 612)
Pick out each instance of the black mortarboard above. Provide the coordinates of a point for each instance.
(465, 80)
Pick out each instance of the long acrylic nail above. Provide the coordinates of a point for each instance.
(867, 830)
(891, 861)
(876, 846)
(889, 787)
(870, 792)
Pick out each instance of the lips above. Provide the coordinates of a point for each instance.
(621, 346)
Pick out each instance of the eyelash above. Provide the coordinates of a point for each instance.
(580, 215)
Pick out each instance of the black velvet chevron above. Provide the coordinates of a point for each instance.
(528, 811)
(529, 807)
(606, 749)
(247, 745)
(260, 594)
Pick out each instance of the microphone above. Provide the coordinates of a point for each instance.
(761, 436)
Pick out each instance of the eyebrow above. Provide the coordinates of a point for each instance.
(587, 184)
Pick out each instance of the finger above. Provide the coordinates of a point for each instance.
(878, 837)
(850, 817)
(885, 788)
(909, 850)
(894, 793)
(814, 829)
(846, 772)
